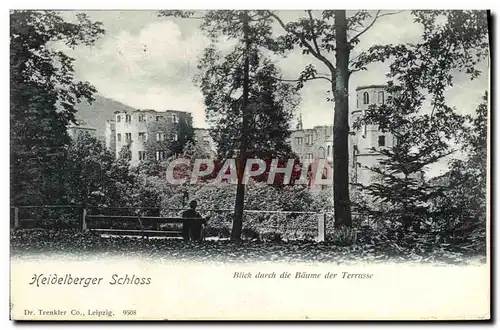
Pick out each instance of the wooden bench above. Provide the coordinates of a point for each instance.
(143, 223)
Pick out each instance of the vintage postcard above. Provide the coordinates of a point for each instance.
(250, 164)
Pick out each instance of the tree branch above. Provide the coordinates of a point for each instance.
(179, 14)
(320, 57)
(377, 16)
(313, 35)
(259, 14)
(356, 70)
(307, 79)
(356, 57)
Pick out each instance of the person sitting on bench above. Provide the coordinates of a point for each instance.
(191, 227)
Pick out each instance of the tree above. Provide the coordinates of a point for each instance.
(420, 142)
(86, 170)
(185, 136)
(418, 73)
(247, 106)
(270, 111)
(464, 203)
(321, 38)
(335, 32)
(43, 93)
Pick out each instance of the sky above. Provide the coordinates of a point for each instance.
(149, 62)
(146, 61)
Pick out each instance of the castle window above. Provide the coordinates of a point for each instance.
(381, 141)
(366, 98)
(321, 152)
(160, 136)
(119, 137)
(160, 155)
(328, 151)
(142, 155)
(298, 141)
(355, 151)
(328, 131)
(158, 118)
(175, 119)
(142, 117)
(142, 136)
(381, 97)
(128, 118)
(118, 118)
(128, 137)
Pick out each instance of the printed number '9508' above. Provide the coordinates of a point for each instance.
(129, 312)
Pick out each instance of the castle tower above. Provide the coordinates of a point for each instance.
(366, 141)
(299, 125)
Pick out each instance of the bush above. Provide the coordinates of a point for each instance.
(221, 232)
(250, 234)
(224, 232)
(211, 231)
(343, 236)
(271, 237)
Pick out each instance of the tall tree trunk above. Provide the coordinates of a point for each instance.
(342, 205)
(240, 189)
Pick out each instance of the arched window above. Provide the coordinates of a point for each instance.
(381, 141)
(366, 98)
(321, 152)
(328, 151)
(381, 97)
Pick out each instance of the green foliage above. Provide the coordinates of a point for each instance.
(419, 73)
(273, 237)
(463, 207)
(43, 94)
(467, 179)
(269, 112)
(329, 36)
(250, 234)
(95, 178)
(86, 171)
(247, 105)
(452, 40)
(270, 103)
(342, 236)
